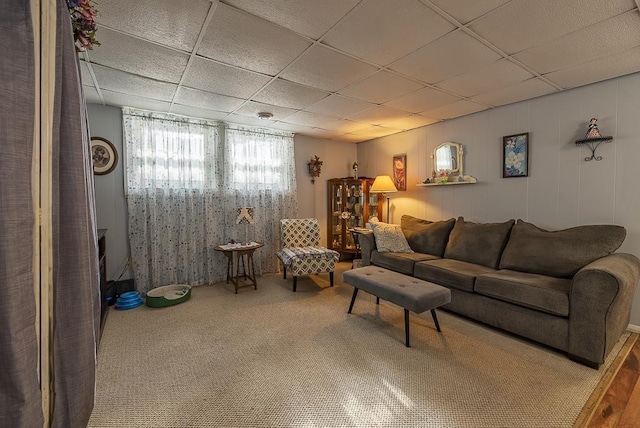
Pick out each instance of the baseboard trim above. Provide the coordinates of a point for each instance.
(633, 328)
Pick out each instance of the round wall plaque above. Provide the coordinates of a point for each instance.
(104, 155)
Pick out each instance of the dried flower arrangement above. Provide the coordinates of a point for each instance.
(83, 16)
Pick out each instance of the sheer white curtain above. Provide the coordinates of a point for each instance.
(261, 174)
(184, 185)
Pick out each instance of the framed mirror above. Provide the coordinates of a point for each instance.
(448, 156)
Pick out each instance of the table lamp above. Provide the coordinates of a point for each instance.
(384, 185)
(245, 216)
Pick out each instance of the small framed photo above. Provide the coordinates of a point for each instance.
(400, 172)
(515, 155)
(104, 155)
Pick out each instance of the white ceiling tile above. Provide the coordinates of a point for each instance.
(248, 120)
(321, 133)
(85, 74)
(521, 91)
(167, 22)
(521, 24)
(597, 70)
(410, 122)
(338, 106)
(207, 100)
(118, 99)
(498, 75)
(350, 138)
(125, 83)
(424, 99)
(349, 126)
(135, 56)
(198, 112)
(292, 127)
(466, 11)
(379, 115)
(240, 39)
(223, 79)
(252, 109)
(453, 54)
(377, 132)
(383, 31)
(326, 69)
(381, 87)
(604, 38)
(457, 109)
(309, 17)
(91, 95)
(313, 119)
(288, 94)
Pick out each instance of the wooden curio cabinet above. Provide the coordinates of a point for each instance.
(350, 205)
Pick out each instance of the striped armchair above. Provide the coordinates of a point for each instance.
(301, 252)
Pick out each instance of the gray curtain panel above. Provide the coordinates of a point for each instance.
(76, 314)
(20, 398)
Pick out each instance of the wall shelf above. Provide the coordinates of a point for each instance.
(593, 144)
(468, 180)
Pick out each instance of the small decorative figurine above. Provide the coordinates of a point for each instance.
(355, 170)
(593, 129)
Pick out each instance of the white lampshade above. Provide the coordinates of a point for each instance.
(383, 184)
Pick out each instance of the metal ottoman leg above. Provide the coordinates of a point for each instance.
(406, 327)
(353, 299)
(435, 319)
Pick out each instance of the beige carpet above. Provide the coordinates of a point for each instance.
(274, 358)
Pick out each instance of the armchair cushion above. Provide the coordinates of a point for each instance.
(287, 255)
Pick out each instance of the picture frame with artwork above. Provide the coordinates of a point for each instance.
(515, 155)
(400, 172)
(104, 155)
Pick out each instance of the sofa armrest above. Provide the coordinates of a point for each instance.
(600, 305)
(367, 243)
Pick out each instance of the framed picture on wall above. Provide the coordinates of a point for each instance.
(515, 155)
(400, 172)
(104, 155)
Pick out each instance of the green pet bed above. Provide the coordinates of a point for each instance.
(168, 295)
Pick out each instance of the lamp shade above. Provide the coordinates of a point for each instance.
(383, 184)
(245, 216)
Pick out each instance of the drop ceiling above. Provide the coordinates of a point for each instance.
(352, 70)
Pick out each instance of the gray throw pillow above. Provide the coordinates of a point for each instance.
(389, 238)
(479, 243)
(560, 253)
(424, 236)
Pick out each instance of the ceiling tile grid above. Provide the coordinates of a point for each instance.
(237, 38)
(352, 70)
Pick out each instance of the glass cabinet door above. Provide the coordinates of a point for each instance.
(354, 207)
(335, 232)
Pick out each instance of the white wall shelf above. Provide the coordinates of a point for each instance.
(468, 180)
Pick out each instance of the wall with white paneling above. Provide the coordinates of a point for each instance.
(562, 189)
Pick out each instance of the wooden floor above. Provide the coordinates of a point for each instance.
(618, 405)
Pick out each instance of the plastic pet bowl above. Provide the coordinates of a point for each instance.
(129, 300)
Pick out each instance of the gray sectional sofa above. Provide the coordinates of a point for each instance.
(567, 289)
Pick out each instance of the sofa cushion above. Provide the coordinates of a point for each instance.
(399, 262)
(479, 243)
(559, 253)
(426, 236)
(389, 238)
(450, 273)
(541, 292)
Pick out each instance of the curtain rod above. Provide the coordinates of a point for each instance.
(233, 126)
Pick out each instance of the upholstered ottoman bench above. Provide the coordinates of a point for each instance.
(411, 293)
